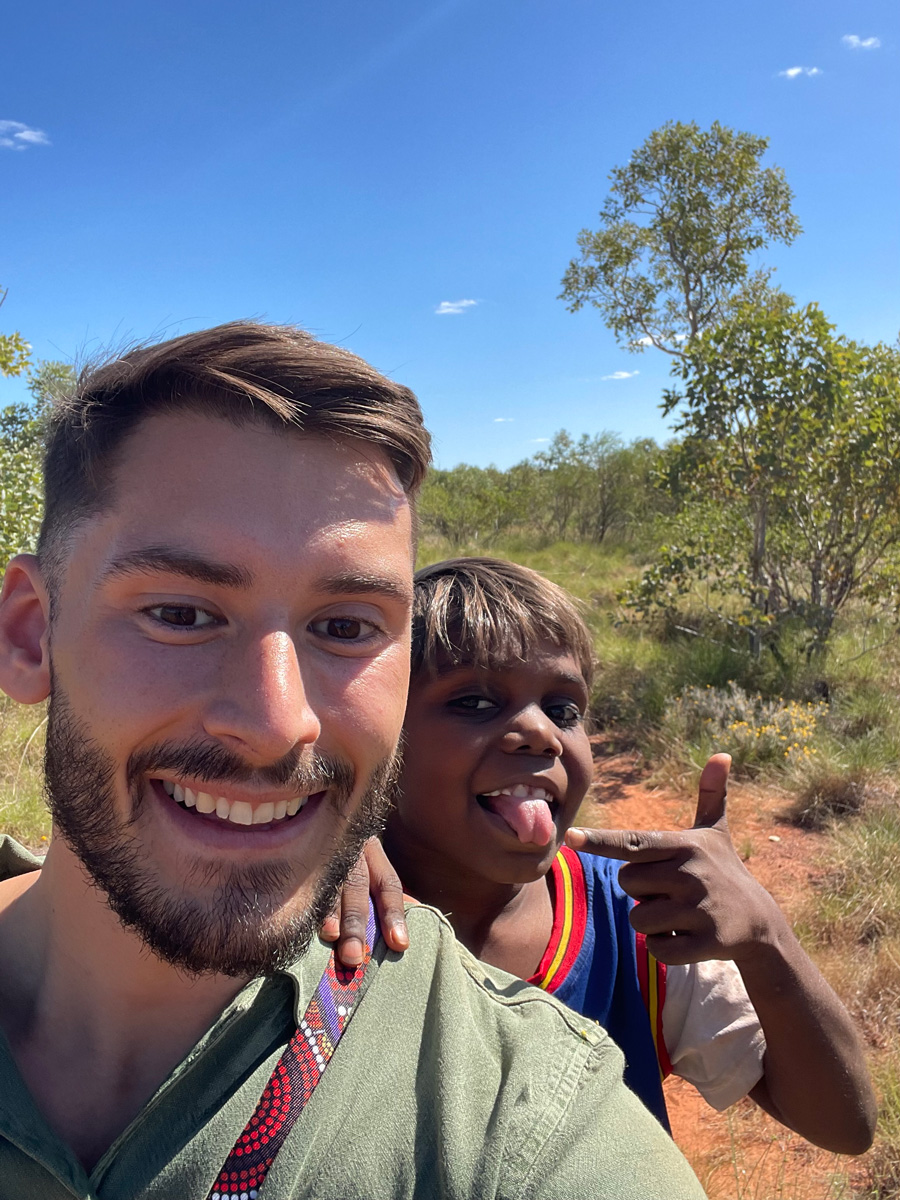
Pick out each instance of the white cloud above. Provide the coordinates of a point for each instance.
(855, 42)
(16, 136)
(620, 375)
(644, 341)
(536, 440)
(793, 72)
(502, 420)
(454, 307)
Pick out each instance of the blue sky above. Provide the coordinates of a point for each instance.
(354, 166)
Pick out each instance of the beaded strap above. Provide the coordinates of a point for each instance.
(294, 1079)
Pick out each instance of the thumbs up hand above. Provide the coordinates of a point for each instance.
(697, 899)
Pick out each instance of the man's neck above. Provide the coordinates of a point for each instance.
(94, 1021)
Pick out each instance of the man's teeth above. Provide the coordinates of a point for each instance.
(522, 791)
(239, 812)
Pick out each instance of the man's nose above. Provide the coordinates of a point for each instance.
(263, 708)
(531, 731)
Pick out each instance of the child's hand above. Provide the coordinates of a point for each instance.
(346, 923)
(697, 899)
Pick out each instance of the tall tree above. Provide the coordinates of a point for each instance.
(682, 218)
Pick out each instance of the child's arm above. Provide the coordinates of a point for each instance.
(699, 902)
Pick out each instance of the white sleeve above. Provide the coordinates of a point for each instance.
(711, 1030)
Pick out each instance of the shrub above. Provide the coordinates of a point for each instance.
(756, 732)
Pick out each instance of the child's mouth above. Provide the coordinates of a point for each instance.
(527, 810)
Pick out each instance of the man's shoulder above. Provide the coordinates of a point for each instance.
(489, 995)
(511, 1092)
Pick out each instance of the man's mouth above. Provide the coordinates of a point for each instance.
(237, 812)
(527, 810)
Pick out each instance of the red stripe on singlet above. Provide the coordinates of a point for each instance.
(569, 896)
(652, 980)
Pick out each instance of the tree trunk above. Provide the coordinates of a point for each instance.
(757, 588)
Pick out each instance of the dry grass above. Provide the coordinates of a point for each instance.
(852, 927)
(23, 814)
(775, 1167)
(828, 795)
(883, 1182)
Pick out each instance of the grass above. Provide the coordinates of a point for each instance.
(23, 814)
(852, 928)
(883, 1172)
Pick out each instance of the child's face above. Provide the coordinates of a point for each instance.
(518, 732)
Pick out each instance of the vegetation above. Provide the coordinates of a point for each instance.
(683, 217)
(786, 480)
(590, 490)
(22, 811)
(21, 445)
(15, 352)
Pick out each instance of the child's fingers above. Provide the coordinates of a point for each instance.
(712, 791)
(387, 892)
(628, 845)
(354, 915)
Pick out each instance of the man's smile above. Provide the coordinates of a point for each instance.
(239, 812)
(263, 819)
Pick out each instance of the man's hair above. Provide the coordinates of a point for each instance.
(243, 372)
(489, 613)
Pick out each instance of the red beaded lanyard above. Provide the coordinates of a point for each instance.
(294, 1079)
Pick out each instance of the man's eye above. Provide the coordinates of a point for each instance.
(473, 703)
(564, 715)
(182, 616)
(344, 629)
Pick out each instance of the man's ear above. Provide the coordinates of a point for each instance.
(24, 632)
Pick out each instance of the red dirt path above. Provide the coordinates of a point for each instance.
(742, 1154)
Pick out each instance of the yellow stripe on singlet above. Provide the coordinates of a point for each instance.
(653, 1004)
(568, 910)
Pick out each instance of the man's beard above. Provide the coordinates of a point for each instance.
(236, 923)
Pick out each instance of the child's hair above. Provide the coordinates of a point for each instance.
(490, 613)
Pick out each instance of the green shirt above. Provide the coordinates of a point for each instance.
(452, 1080)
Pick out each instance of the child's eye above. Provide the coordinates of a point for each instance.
(564, 715)
(473, 704)
(182, 616)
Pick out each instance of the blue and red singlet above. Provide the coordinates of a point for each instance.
(597, 965)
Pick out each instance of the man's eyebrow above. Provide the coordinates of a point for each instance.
(175, 561)
(364, 583)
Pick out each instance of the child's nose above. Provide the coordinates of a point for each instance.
(531, 731)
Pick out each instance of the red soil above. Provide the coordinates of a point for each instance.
(741, 1154)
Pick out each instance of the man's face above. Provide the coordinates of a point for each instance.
(230, 657)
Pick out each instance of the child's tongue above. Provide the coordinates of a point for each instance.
(529, 819)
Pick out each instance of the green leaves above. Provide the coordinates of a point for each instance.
(788, 473)
(680, 222)
(580, 490)
(21, 480)
(15, 354)
(21, 458)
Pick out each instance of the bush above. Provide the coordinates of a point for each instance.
(827, 796)
(756, 732)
